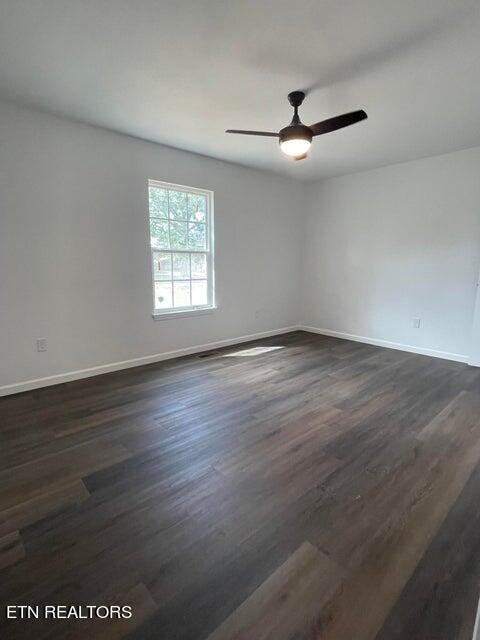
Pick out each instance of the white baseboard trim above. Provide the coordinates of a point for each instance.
(476, 628)
(69, 376)
(37, 383)
(457, 357)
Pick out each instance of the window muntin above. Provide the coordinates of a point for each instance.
(181, 240)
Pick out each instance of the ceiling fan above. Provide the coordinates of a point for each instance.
(296, 138)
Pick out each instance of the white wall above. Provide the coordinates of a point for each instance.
(385, 246)
(74, 257)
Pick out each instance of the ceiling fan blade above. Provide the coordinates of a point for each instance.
(253, 133)
(338, 122)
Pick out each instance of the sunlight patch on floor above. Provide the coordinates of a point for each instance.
(254, 351)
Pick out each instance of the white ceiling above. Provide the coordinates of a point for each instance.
(181, 72)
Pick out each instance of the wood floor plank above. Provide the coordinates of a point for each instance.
(11, 549)
(26, 513)
(142, 606)
(287, 603)
(32, 479)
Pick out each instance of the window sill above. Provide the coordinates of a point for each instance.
(188, 313)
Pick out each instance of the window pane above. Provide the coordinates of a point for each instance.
(197, 207)
(178, 235)
(162, 266)
(163, 295)
(180, 247)
(199, 292)
(158, 202)
(159, 233)
(181, 294)
(199, 266)
(196, 236)
(181, 266)
(177, 203)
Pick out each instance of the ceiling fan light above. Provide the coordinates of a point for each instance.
(295, 146)
(295, 140)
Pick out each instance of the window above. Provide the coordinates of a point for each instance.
(181, 241)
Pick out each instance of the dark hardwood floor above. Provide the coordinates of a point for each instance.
(295, 488)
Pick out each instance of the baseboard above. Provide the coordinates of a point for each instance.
(69, 376)
(457, 357)
(37, 383)
(476, 628)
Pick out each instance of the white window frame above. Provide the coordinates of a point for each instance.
(192, 310)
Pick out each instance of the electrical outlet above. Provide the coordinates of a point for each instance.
(416, 323)
(41, 344)
(257, 314)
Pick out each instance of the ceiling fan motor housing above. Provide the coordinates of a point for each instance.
(295, 132)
